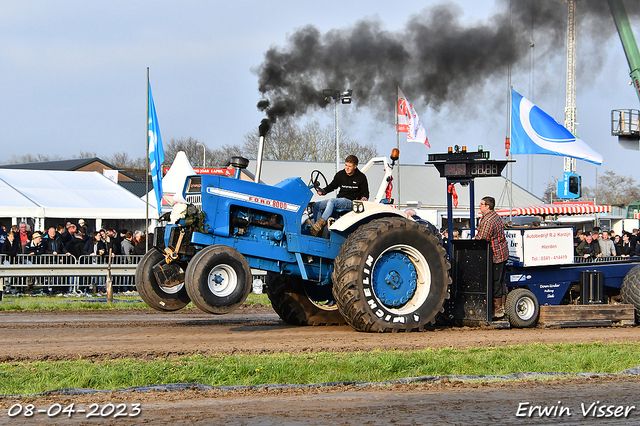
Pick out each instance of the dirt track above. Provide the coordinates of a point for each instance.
(146, 334)
(143, 334)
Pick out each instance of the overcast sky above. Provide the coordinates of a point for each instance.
(73, 78)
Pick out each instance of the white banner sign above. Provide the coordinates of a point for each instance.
(547, 246)
(514, 240)
(112, 175)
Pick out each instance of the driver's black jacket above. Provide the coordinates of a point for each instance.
(352, 187)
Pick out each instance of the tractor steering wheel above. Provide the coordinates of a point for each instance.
(315, 180)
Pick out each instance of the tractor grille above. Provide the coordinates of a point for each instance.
(158, 237)
(195, 199)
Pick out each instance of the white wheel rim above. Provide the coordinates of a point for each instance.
(525, 308)
(222, 280)
(172, 290)
(423, 286)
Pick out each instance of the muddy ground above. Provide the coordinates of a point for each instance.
(145, 334)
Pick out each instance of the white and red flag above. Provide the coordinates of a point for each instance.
(408, 121)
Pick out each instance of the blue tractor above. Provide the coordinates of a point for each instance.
(373, 268)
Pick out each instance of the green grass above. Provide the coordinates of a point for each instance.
(35, 377)
(50, 303)
(254, 299)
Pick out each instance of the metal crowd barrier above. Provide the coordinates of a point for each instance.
(77, 274)
(580, 259)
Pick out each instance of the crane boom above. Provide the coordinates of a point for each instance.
(625, 32)
(625, 123)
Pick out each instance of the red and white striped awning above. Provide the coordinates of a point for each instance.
(555, 209)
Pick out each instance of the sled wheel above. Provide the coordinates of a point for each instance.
(158, 297)
(522, 308)
(218, 279)
(630, 290)
(300, 302)
(391, 275)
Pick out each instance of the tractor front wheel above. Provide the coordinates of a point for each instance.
(218, 279)
(158, 297)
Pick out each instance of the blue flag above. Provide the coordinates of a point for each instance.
(535, 132)
(156, 152)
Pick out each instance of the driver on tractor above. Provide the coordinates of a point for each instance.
(353, 186)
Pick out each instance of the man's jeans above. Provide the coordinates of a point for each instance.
(327, 207)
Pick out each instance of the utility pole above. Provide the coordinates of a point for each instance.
(342, 97)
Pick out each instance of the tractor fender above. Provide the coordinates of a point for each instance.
(371, 210)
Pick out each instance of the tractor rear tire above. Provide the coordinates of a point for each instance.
(390, 275)
(218, 279)
(630, 290)
(522, 308)
(299, 302)
(161, 298)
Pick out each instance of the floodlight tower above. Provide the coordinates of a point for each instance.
(570, 113)
(569, 186)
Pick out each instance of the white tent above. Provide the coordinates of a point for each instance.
(43, 194)
(172, 182)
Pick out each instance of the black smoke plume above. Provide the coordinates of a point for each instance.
(435, 58)
(264, 126)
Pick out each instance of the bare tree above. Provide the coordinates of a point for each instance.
(220, 157)
(30, 158)
(85, 154)
(550, 191)
(189, 146)
(122, 161)
(194, 151)
(588, 193)
(363, 152)
(318, 141)
(614, 189)
(286, 140)
(283, 142)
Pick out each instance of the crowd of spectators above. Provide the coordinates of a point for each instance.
(596, 244)
(70, 240)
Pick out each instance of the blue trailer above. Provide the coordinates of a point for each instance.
(541, 270)
(580, 283)
(551, 285)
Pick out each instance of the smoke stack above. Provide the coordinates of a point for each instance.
(263, 128)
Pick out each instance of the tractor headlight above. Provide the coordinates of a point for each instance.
(358, 207)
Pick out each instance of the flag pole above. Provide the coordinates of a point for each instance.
(397, 143)
(146, 226)
(509, 100)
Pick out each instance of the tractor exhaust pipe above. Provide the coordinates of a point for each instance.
(259, 160)
(263, 129)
